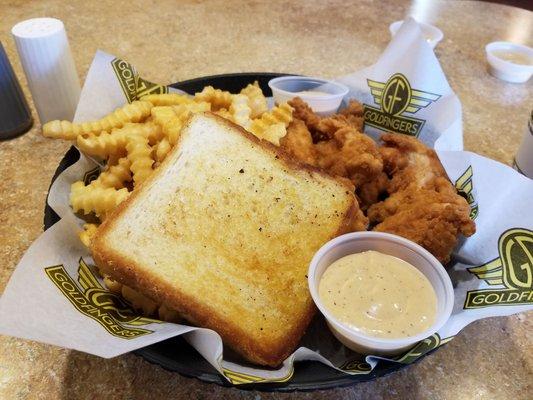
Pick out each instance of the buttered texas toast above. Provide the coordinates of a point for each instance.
(223, 232)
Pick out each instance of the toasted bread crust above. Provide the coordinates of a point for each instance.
(271, 354)
(125, 270)
(287, 158)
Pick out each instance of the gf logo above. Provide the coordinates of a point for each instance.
(394, 99)
(396, 95)
(512, 269)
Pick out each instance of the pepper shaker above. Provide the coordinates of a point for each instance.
(15, 115)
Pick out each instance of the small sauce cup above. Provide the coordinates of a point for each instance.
(286, 88)
(505, 69)
(396, 246)
(432, 34)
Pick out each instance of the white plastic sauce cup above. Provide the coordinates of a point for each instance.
(286, 88)
(431, 33)
(396, 246)
(507, 70)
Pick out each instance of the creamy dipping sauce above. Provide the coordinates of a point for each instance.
(378, 295)
(312, 93)
(515, 58)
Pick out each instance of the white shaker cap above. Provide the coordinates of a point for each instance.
(45, 55)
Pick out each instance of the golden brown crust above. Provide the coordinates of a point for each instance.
(288, 159)
(123, 269)
(423, 205)
(270, 354)
(337, 145)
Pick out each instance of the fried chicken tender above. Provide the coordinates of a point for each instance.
(299, 143)
(337, 145)
(373, 191)
(413, 196)
(423, 205)
(434, 226)
(358, 221)
(323, 128)
(303, 112)
(350, 154)
(408, 161)
(354, 114)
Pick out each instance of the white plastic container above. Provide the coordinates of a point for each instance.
(393, 245)
(45, 55)
(508, 70)
(432, 34)
(286, 88)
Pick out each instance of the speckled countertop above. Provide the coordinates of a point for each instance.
(171, 41)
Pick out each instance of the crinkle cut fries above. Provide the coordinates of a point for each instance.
(133, 141)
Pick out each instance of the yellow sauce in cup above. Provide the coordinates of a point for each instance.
(378, 295)
(514, 57)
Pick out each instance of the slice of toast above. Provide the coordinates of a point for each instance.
(224, 232)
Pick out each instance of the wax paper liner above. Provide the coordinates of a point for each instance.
(56, 297)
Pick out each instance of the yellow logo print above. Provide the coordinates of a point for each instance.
(423, 347)
(465, 187)
(133, 86)
(91, 175)
(396, 97)
(513, 269)
(240, 378)
(356, 367)
(96, 302)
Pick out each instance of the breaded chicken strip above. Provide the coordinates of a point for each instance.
(423, 204)
(325, 127)
(299, 143)
(354, 114)
(336, 144)
(350, 154)
(373, 191)
(302, 111)
(408, 161)
(434, 226)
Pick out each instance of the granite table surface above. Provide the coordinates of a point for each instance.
(169, 41)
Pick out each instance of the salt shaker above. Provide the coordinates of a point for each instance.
(45, 55)
(15, 115)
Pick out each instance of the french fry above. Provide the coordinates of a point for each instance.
(114, 143)
(172, 118)
(272, 125)
(92, 198)
(134, 112)
(161, 150)
(256, 99)
(138, 301)
(216, 97)
(240, 111)
(115, 176)
(167, 99)
(87, 233)
(112, 285)
(139, 154)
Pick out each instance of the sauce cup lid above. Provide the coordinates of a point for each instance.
(394, 245)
